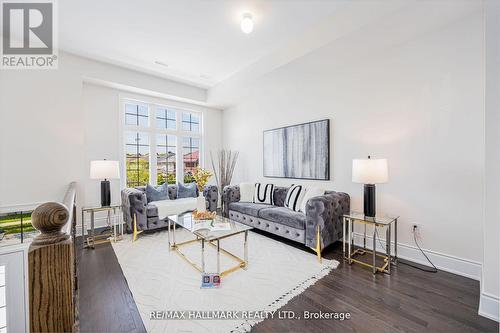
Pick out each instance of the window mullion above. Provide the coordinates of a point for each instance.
(179, 158)
(153, 159)
(137, 158)
(153, 168)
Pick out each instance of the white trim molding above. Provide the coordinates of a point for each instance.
(442, 261)
(489, 306)
(22, 248)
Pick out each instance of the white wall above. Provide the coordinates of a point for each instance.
(490, 304)
(41, 134)
(417, 101)
(52, 125)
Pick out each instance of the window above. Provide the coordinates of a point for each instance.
(166, 149)
(136, 114)
(166, 119)
(137, 158)
(191, 157)
(162, 144)
(190, 122)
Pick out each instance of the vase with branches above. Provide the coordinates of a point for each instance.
(223, 164)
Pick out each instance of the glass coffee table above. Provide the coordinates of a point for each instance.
(209, 232)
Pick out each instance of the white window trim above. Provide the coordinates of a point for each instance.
(151, 130)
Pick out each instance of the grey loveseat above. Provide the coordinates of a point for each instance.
(323, 216)
(134, 202)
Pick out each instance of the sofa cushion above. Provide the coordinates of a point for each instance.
(156, 193)
(172, 191)
(294, 197)
(186, 190)
(264, 193)
(280, 195)
(311, 192)
(246, 192)
(284, 216)
(248, 208)
(174, 207)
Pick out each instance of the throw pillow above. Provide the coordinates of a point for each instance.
(294, 197)
(246, 192)
(311, 193)
(156, 193)
(186, 190)
(264, 193)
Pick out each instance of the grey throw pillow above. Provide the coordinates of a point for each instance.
(157, 193)
(186, 190)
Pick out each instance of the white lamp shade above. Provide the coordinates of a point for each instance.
(104, 169)
(370, 171)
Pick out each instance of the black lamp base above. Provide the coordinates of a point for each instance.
(369, 200)
(105, 193)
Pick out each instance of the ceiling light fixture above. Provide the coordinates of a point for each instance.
(247, 23)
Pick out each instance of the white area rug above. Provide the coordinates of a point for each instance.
(160, 280)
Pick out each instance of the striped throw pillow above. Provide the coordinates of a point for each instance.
(264, 193)
(293, 199)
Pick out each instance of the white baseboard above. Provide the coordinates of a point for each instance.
(445, 262)
(489, 306)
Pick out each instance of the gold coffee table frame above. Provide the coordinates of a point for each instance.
(242, 263)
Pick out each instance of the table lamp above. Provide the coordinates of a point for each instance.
(105, 170)
(369, 172)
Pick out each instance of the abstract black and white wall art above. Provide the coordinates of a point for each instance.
(298, 151)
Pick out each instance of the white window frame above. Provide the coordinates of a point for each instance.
(152, 131)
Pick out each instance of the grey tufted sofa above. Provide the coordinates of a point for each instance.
(134, 202)
(323, 216)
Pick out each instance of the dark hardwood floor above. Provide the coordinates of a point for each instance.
(409, 300)
(106, 303)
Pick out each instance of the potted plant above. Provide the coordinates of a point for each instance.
(201, 177)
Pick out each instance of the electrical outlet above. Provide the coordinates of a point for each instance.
(417, 229)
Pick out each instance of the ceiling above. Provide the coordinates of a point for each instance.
(199, 40)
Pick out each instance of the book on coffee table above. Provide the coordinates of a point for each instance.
(210, 225)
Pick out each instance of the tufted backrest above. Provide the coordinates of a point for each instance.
(280, 195)
(172, 191)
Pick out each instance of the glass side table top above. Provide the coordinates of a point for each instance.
(101, 208)
(220, 227)
(382, 220)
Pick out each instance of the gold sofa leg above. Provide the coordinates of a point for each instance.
(318, 244)
(136, 232)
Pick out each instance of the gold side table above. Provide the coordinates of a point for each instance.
(113, 220)
(348, 221)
